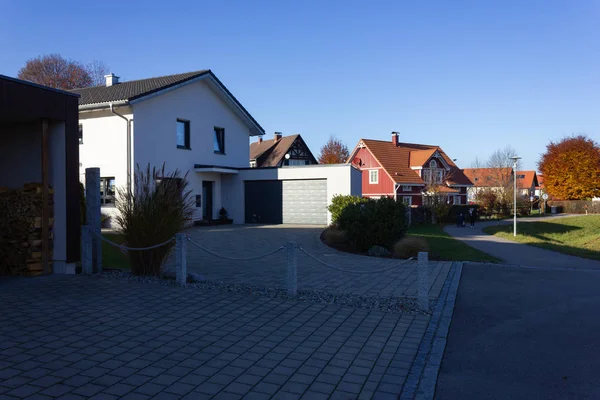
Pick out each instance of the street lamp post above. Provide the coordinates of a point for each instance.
(515, 160)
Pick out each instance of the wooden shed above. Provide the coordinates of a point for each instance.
(39, 182)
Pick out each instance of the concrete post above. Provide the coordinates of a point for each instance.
(87, 267)
(92, 214)
(423, 281)
(292, 273)
(181, 260)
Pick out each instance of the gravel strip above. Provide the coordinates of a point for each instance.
(388, 304)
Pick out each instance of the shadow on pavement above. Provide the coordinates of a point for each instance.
(523, 334)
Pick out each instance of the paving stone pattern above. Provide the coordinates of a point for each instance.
(245, 241)
(83, 337)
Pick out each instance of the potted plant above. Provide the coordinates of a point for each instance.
(223, 217)
(223, 214)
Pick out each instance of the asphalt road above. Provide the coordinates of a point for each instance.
(523, 333)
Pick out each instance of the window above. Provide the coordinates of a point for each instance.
(183, 134)
(107, 191)
(432, 164)
(406, 188)
(80, 133)
(407, 200)
(456, 199)
(252, 163)
(219, 140)
(296, 162)
(439, 176)
(427, 175)
(373, 176)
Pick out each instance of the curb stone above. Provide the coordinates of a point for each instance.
(422, 377)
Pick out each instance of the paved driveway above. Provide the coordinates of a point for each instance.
(243, 241)
(74, 337)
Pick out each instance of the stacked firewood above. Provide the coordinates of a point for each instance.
(21, 230)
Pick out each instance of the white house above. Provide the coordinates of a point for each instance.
(193, 123)
(180, 120)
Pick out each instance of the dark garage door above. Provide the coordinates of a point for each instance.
(263, 202)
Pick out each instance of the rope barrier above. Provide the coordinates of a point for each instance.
(233, 258)
(123, 247)
(351, 271)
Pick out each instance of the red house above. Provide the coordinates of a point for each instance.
(408, 172)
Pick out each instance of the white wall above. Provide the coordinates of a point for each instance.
(341, 179)
(105, 147)
(20, 155)
(155, 135)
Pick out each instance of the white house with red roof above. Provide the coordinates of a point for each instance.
(408, 171)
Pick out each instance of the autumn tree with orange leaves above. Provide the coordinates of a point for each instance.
(571, 168)
(334, 152)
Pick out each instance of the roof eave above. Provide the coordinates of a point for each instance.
(103, 106)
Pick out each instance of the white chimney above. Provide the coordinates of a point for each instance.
(111, 79)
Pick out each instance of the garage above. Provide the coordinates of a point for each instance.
(288, 195)
(263, 202)
(305, 201)
(288, 202)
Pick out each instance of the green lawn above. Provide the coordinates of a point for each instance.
(444, 247)
(112, 257)
(578, 236)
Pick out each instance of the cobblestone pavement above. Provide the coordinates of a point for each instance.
(75, 337)
(245, 241)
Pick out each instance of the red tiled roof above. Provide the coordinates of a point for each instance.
(397, 161)
(528, 180)
(419, 158)
(269, 153)
(540, 178)
(488, 177)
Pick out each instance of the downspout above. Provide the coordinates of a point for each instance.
(112, 110)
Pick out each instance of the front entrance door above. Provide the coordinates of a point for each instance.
(207, 205)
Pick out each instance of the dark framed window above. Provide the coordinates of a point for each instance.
(107, 191)
(80, 133)
(219, 140)
(183, 134)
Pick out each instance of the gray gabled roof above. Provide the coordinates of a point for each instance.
(101, 96)
(132, 90)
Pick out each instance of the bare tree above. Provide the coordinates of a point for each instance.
(55, 71)
(97, 70)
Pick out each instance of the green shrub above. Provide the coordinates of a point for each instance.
(374, 223)
(158, 207)
(334, 237)
(456, 209)
(410, 246)
(340, 202)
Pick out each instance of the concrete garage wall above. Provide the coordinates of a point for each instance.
(341, 179)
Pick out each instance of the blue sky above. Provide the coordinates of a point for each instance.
(470, 76)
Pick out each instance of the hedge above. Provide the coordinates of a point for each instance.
(370, 222)
(340, 202)
(575, 206)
